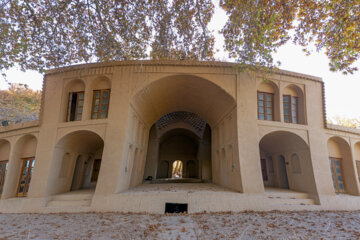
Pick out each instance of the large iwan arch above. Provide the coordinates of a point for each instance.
(203, 98)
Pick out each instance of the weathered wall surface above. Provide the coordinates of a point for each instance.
(144, 91)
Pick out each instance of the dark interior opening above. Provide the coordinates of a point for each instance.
(73, 97)
(176, 207)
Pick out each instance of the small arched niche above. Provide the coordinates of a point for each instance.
(294, 104)
(268, 101)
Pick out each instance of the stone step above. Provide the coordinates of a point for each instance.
(286, 195)
(71, 199)
(67, 203)
(73, 196)
(292, 201)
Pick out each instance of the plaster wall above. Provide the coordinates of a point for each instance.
(142, 92)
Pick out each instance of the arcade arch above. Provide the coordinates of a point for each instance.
(21, 166)
(76, 162)
(286, 162)
(4, 159)
(342, 166)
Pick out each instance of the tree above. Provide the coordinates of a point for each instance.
(40, 34)
(345, 122)
(19, 104)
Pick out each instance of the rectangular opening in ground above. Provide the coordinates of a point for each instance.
(176, 207)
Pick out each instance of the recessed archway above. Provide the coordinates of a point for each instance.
(342, 166)
(21, 167)
(76, 162)
(4, 159)
(286, 162)
(183, 139)
(198, 96)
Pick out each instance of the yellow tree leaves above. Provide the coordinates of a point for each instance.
(19, 104)
(40, 34)
(256, 29)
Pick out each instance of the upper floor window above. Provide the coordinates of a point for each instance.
(75, 106)
(100, 106)
(265, 106)
(290, 109)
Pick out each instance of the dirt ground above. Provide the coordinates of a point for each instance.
(246, 225)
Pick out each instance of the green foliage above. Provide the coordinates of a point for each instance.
(19, 104)
(41, 34)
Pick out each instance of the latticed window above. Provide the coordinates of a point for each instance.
(25, 178)
(265, 106)
(100, 104)
(3, 170)
(75, 106)
(290, 109)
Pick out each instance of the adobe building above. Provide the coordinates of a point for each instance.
(138, 136)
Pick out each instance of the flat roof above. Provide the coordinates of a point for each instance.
(170, 63)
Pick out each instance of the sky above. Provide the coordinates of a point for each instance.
(341, 91)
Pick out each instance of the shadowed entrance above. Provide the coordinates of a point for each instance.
(179, 149)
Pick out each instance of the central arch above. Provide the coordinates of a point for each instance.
(201, 97)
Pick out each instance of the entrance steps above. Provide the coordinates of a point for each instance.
(81, 198)
(175, 180)
(288, 197)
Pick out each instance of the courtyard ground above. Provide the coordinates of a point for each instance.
(246, 225)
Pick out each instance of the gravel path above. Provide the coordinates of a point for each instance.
(246, 225)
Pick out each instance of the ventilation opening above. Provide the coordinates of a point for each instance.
(176, 207)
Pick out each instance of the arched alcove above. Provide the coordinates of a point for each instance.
(268, 104)
(294, 104)
(342, 166)
(76, 162)
(4, 159)
(277, 151)
(73, 100)
(357, 158)
(21, 167)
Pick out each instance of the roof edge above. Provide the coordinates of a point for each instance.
(170, 63)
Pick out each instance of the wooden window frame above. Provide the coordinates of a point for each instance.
(3, 171)
(68, 117)
(27, 178)
(291, 103)
(265, 105)
(335, 177)
(101, 104)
